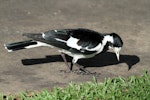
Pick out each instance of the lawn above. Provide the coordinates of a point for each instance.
(132, 88)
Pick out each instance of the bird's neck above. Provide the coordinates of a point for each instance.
(104, 44)
(107, 38)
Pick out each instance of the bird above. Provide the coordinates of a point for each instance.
(78, 43)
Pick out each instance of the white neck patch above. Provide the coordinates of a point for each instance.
(108, 38)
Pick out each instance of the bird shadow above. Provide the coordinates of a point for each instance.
(100, 60)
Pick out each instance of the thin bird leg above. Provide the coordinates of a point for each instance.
(71, 65)
(65, 60)
(81, 68)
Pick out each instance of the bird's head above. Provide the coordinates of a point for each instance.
(116, 44)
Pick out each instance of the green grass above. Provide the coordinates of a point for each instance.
(132, 88)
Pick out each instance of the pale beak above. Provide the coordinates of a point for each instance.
(117, 50)
(118, 55)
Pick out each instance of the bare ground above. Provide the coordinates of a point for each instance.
(38, 68)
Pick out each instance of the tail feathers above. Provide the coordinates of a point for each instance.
(20, 45)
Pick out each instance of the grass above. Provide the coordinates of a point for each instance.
(132, 88)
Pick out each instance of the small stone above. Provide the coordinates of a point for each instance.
(4, 97)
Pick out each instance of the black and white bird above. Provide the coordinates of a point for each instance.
(78, 43)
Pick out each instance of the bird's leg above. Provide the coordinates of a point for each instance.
(65, 60)
(82, 69)
(71, 66)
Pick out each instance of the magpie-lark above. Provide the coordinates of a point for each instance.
(78, 43)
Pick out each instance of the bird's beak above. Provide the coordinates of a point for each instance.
(117, 50)
(117, 54)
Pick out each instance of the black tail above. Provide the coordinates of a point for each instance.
(20, 45)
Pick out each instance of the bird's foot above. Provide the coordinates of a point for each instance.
(85, 72)
(66, 71)
(80, 72)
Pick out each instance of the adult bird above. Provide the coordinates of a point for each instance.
(78, 43)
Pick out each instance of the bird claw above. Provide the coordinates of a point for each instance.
(66, 71)
(80, 72)
(85, 72)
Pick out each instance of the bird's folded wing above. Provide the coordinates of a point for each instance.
(48, 40)
(71, 40)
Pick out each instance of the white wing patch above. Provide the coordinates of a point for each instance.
(97, 48)
(55, 30)
(72, 42)
(60, 40)
(38, 45)
(43, 34)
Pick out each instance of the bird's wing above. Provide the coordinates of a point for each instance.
(74, 40)
(85, 40)
(48, 37)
